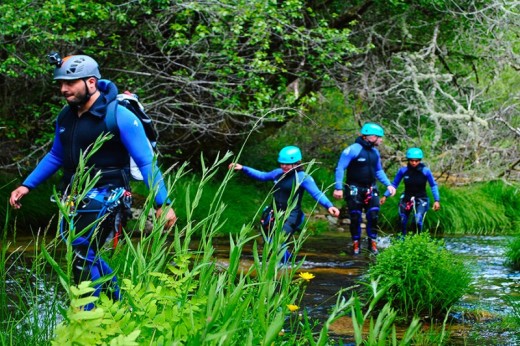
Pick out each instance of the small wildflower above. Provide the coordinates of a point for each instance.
(307, 276)
(282, 332)
(292, 307)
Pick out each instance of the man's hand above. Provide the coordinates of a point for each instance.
(333, 211)
(171, 218)
(235, 166)
(391, 189)
(17, 195)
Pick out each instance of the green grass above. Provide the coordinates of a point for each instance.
(420, 277)
(174, 293)
(513, 253)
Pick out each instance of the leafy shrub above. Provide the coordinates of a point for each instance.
(420, 276)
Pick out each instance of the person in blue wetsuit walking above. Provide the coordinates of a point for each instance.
(414, 199)
(362, 162)
(78, 126)
(289, 176)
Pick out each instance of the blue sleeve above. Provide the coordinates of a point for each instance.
(135, 140)
(49, 165)
(347, 155)
(308, 183)
(262, 176)
(380, 173)
(397, 179)
(433, 184)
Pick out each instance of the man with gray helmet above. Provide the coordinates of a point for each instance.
(78, 126)
(363, 164)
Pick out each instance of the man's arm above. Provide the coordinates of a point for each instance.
(262, 176)
(49, 165)
(134, 139)
(347, 155)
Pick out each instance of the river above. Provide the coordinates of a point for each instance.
(328, 258)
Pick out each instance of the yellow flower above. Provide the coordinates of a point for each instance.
(307, 276)
(292, 307)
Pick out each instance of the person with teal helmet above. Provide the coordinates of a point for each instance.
(290, 175)
(414, 199)
(362, 162)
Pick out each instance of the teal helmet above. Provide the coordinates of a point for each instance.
(414, 154)
(289, 155)
(76, 67)
(372, 129)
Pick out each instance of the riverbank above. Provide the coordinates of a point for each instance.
(486, 208)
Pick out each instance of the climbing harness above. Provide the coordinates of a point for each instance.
(98, 201)
(410, 204)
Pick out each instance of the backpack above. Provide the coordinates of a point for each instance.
(131, 102)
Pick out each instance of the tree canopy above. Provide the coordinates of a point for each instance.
(442, 75)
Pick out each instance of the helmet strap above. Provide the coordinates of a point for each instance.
(88, 95)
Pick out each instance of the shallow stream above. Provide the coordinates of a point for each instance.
(329, 258)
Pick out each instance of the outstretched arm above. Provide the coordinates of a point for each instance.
(310, 186)
(381, 176)
(49, 165)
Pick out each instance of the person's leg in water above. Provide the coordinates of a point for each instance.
(88, 264)
(371, 203)
(290, 227)
(404, 214)
(420, 209)
(355, 208)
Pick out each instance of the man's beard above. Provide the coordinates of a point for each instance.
(77, 101)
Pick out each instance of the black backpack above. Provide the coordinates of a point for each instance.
(131, 102)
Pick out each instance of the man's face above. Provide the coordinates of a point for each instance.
(375, 140)
(75, 91)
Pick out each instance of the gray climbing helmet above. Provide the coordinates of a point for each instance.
(75, 67)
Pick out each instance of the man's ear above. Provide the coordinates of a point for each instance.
(92, 83)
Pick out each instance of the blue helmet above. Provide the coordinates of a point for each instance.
(289, 155)
(414, 154)
(372, 129)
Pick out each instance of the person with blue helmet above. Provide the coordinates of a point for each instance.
(79, 124)
(414, 199)
(289, 176)
(362, 162)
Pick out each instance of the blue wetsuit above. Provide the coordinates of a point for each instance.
(283, 188)
(414, 199)
(363, 164)
(74, 135)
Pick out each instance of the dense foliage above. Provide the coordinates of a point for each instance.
(436, 74)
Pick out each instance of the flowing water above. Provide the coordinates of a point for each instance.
(328, 257)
